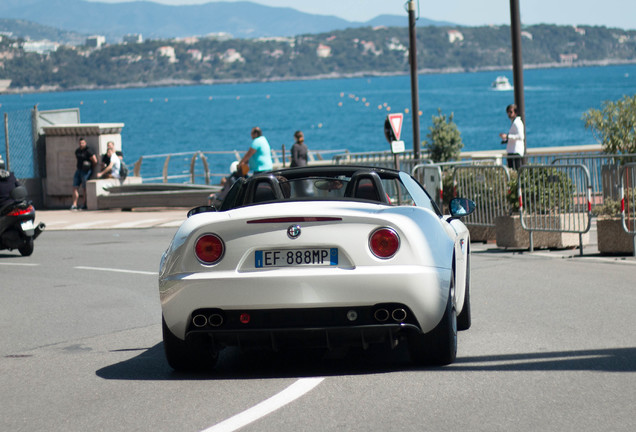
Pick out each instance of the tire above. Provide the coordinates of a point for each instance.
(194, 355)
(27, 249)
(464, 319)
(439, 346)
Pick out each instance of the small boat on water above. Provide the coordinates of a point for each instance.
(501, 83)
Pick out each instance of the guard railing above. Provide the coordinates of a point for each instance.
(628, 200)
(555, 198)
(487, 186)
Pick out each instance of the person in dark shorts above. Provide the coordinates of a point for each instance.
(86, 160)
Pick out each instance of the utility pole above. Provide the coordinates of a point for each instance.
(415, 108)
(517, 63)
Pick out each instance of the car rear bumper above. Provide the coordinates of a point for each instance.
(423, 291)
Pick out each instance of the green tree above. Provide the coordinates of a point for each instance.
(444, 139)
(614, 125)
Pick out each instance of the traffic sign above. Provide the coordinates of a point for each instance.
(395, 120)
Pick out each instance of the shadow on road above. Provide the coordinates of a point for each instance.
(600, 360)
(236, 364)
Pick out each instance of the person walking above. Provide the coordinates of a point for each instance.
(86, 160)
(514, 139)
(259, 156)
(299, 151)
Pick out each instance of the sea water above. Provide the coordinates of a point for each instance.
(342, 113)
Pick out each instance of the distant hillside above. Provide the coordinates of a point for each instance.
(28, 30)
(157, 21)
(341, 53)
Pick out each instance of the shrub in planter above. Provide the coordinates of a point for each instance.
(547, 194)
(546, 190)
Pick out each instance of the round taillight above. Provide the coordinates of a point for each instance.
(384, 242)
(209, 249)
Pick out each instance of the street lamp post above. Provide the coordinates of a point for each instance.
(517, 61)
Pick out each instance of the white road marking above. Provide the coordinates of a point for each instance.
(20, 264)
(116, 270)
(290, 394)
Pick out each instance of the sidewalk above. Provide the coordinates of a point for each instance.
(111, 219)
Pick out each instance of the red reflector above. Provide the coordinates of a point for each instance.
(245, 318)
(384, 243)
(209, 249)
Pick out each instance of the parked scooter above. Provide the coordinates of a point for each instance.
(17, 223)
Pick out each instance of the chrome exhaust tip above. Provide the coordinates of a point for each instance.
(215, 320)
(398, 315)
(199, 321)
(381, 315)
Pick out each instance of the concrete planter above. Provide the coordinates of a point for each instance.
(511, 235)
(612, 238)
(481, 233)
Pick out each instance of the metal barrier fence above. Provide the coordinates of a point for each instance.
(184, 167)
(604, 173)
(488, 187)
(19, 149)
(628, 201)
(555, 198)
(384, 159)
(430, 176)
(628, 197)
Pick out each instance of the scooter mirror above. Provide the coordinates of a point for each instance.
(19, 193)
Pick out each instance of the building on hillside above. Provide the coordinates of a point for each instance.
(323, 51)
(167, 51)
(133, 38)
(579, 30)
(568, 58)
(232, 56)
(455, 36)
(95, 41)
(40, 47)
(196, 54)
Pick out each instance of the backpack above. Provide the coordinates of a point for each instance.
(123, 170)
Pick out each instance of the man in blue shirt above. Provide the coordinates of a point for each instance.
(259, 154)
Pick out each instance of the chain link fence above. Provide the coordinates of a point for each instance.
(18, 150)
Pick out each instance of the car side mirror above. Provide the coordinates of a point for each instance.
(460, 207)
(201, 209)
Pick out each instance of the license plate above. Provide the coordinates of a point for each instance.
(296, 257)
(27, 225)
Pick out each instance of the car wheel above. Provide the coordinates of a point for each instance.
(27, 249)
(464, 319)
(187, 355)
(439, 346)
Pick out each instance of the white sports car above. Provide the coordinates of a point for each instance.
(318, 257)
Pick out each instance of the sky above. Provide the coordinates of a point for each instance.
(610, 13)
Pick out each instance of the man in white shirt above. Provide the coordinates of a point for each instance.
(113, 167)
(514, 139)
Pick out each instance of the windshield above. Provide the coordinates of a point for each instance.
(364, 185)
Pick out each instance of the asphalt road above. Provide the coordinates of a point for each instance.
(552, 347)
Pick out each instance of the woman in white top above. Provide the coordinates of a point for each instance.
(514, 139)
